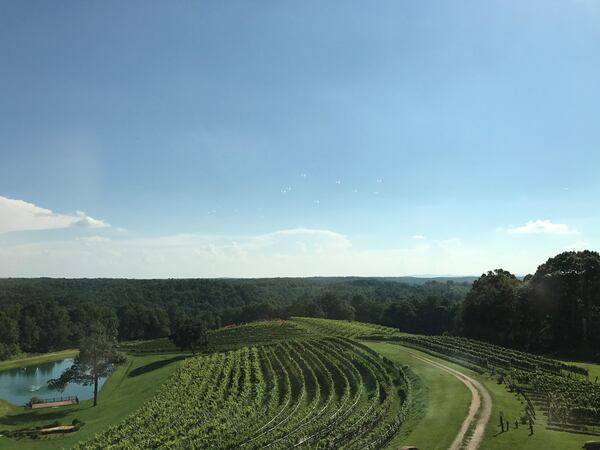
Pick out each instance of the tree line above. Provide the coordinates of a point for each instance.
(41, 315)
(555, 310)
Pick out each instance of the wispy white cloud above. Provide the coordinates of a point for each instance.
(290, 252)
(93, 239)
(418, 237)
(19, 215)
(541, 227)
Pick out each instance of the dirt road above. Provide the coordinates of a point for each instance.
(480, 408)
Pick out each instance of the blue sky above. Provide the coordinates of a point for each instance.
(280, 138)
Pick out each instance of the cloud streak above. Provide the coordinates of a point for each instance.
(541, 227)
(284, 253)
(19, 215)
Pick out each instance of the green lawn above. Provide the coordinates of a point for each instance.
(5, 407)
(127, 388)
(442, 402)
(37, 359)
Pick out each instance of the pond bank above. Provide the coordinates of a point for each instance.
(37, 359)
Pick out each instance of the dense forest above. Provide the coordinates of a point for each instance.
(45, 314)
(556, 310)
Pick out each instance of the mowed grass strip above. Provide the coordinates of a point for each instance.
(444, 402)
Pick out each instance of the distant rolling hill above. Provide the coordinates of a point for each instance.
(403, 279)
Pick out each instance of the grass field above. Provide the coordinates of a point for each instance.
(37, 359)
(4, 408)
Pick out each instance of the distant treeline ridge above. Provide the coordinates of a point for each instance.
(46, 314)
(556, 310)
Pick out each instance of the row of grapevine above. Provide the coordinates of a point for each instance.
(567, 400)
(342, 328)
(562, 391)
(231, 337)
(329, 392)
(489, 355)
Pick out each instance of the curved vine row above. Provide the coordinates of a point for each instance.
(325, 393)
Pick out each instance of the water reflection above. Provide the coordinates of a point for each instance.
(19, 385)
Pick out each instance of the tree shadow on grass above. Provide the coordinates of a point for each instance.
(155, 365)
(28, 417)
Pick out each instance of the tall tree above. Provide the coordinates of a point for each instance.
(190, 335)
(566, 293)
(487, 312)
(95, 360)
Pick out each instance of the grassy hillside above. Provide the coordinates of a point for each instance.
(309, 391)
(127, 388)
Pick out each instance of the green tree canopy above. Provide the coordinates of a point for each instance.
(565, 292)
(9, 336)
(96, 358)
(487, 312)
(190, 335)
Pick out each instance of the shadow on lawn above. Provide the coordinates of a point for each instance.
(155, 365)
(28, 417)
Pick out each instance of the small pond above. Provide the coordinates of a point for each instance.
(19, 385)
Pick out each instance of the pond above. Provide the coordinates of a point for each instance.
(18, 386)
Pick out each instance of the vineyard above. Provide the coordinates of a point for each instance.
(490, 356)
(312, 383)
(231, 337)
(303, 391)
(342, 327)
(562, 392)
